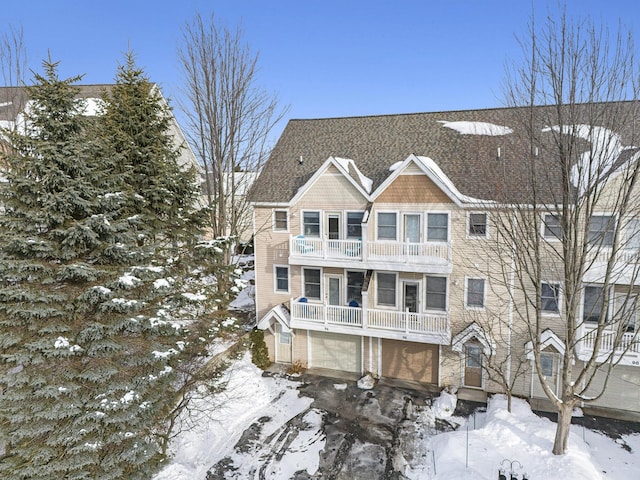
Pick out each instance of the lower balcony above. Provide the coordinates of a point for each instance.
(625, 348)
(414, 327)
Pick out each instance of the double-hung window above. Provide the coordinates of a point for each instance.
(550, 296)
(552, 229)
(633, 234)
(280, 221)
(475, 293)
(386, 291)
(354, 225)
(436, 293)
(477, 226)
(593, 303)
(437, 227)
(311, 224)
(602, 229)
(387, 226)
(546, 364)
(312, 283)
(282, 279)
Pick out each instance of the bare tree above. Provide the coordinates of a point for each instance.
(229, 118)
(568, 232)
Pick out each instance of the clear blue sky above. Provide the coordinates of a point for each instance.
(324, 58)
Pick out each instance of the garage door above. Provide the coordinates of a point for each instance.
(336, 352)
(410, 361)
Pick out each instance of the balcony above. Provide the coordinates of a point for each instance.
(625, 271)
(415, 327)
(628, 347)
(427, 257)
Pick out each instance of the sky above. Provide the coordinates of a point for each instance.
(323, 58)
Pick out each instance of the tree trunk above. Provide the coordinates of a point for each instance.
(562, 431)
(508, 400)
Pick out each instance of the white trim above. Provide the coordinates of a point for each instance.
(278, 314)
(346, 224)
(426, 225)
(311, 210)
(319, 172)
(275, 279)
(473, 331)
(484, 293)
(486, 227)
(552, 238)
(547, 338)
(341, 291)
(446, 293)
(418, 284)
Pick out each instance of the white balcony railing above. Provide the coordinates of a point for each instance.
(371, 320)
(404, 252)
(609, 342)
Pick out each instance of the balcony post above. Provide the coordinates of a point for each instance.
(365, 304)
(406, 320)
(363, 243)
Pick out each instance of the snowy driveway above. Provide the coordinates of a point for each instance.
(346, 433)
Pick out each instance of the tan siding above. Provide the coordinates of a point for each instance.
(300, 347)
(270, 340)
(332, 190)
(413, 189)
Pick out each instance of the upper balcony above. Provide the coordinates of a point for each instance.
(431, 328)
(426, 257)
(624, 346)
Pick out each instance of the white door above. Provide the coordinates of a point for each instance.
(333, 289)
(411, 228)
(283, 345)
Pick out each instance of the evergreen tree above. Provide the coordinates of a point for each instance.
(94, 322)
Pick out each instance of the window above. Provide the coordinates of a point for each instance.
(354, 224)
(593, 303)
(311, 224)
(633, 234)
(477, 225)
(546, 364)
(474, 356)
(550, 294)
(280, 221)
(311, 283)
(601, 230)
(386, 289)
(387, 229)
(626, 312)
(475, 292)
(437, 227)
(285, 338)
(282, 279)
(355, 280)
(552, 228)
(436, 293)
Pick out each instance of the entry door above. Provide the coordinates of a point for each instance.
(473, 365)
(411, 227)
(334, 289)
(333, 226)
(410, 297)
(412, 232)
(283, 345)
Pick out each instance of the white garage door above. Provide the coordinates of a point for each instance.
(336, 352)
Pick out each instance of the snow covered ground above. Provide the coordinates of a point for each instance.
(274, 404)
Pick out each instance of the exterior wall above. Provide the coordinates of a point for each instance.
(413, 189)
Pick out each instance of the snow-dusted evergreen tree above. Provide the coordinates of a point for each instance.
(93, 321)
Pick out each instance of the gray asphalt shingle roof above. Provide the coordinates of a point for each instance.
(375, 143)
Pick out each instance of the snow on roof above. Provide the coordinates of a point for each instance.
(345, 163)
(598, 161)
(477, 128)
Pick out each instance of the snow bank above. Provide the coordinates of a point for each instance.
(527, 438)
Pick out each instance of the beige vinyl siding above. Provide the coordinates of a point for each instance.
(300, 347)
(270, 340)
(329, 191)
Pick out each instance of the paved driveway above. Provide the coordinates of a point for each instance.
(369, 434)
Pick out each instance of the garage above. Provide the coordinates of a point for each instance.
(336, 352)
(410, 361)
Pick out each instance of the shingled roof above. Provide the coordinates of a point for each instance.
(14, 99)
(485, 163)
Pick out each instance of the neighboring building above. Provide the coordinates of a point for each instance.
(370, 241)
(14, 101)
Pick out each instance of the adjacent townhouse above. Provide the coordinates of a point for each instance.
(375, 253)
